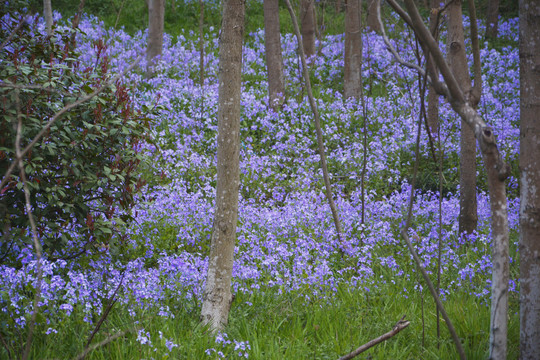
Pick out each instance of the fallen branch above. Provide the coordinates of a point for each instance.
(111, 338)
(400, 325)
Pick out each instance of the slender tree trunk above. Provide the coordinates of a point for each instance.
(433, 97)
(274, 59)
(529, 164)
(492, 19)
(156, 13)
(353, 49)
(307, 21)
(217, 295)
(457, 59)
(371, 20)
(47, 13)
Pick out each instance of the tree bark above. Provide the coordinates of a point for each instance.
(457, 59)
(274, 59)
(156, 13)
(492, 19)
(47, 13)
(433, 97)
(307, 27)
(353, 49)
(371, 19)
(497, 171)
(217, 295)
(529, 164)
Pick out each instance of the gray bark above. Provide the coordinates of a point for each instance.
(457, 59)
(307, 26)
(156, 13)
(529, 164)
(497, 171)
(47, 13)
(217, 295)
(353, 49)
(274, 59)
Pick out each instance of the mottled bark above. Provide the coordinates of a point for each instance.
(497, 171)
(457, 59)
(353, 49)
(156, 13)
(492, 19)
(217, 295)
(274, 59)
(529, 164)
(371, 19)
(307, 27)
(47, 14)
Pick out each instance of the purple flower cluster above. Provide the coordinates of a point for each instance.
(286, 237)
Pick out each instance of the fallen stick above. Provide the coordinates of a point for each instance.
(400, 325)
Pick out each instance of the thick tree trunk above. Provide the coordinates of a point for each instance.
(492, 19)
(274, 59)
(217, 295)
(371, 21)
(307, 27)
(156, 14)
(353, 49)
(457, 59)
(47, 13)
(529, 164)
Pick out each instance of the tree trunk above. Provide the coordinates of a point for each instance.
(47, 13)
(457, 59)
(217, 295)
(156, 13)
(492, 19)
(307, 21)
(274, 59)
(353, 49)
(433, 97)
(529, 164)
(371, 20)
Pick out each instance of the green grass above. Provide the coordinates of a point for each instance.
(289, 326)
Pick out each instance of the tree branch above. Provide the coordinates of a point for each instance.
(454, 90)
(320, 141)
(400, 325)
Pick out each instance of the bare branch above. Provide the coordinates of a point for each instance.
(62, 112)
(400, 325)
(37, 244)
(437, 85)
(111, 338)
(317, 123)
(454, 90)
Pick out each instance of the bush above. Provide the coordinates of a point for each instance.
(82, 174)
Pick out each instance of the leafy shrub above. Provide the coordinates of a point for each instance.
(82, 174)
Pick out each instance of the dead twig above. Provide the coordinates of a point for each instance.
(400, 325)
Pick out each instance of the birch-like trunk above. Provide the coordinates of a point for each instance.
(274, 59)
(217, 295)
(529, 164)
(353, 50)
